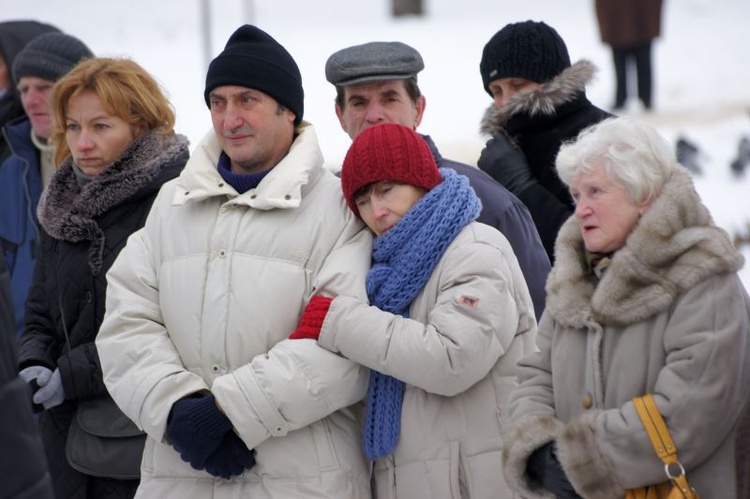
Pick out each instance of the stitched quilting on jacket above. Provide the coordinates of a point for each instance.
(456, 353)
(206, 295)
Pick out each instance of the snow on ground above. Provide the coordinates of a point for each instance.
(701, 65)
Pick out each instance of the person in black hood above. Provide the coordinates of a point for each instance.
(14, 36)
(116, 148)
(539, 103)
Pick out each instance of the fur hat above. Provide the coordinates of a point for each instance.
(50, 56)
(530, 50)
(388, 151)
(253, 59)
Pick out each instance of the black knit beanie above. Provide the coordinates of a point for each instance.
(530, 50)
(50, 56)
(253, 59)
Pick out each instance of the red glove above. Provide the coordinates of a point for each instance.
(312, 318)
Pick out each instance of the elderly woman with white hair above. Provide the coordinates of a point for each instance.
(644, 298)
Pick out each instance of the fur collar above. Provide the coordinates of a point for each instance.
(69, 212)
(543, 100)
(674, 246)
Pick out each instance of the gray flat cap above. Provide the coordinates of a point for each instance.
(373, 61)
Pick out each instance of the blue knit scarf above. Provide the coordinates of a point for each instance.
(402, 261)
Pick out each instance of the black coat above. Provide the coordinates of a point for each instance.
(23, 467)
(84, 231)
(539, 122)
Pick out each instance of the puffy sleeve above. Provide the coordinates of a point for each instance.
(39, 344)
(297, 382)
(142, 369)
(474, 320)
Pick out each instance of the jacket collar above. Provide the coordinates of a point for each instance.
(433, 149)
(674, 246)
(144, 166)
(71, 213)
(281, 188)
(18, 135)
(544, 100)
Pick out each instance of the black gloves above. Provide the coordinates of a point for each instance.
(231, 458)
(507, 164)
(204, 438)
(196, 428)
(544, 470)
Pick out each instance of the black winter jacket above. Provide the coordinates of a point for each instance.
(539, 122)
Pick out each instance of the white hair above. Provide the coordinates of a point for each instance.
(632, 153)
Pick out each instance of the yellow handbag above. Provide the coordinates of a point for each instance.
(676, 486)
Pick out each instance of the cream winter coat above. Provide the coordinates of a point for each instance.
(203, 298)
(457, 355)
(669, 317)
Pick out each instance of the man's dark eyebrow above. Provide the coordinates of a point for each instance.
(390, 92)
(355, 97)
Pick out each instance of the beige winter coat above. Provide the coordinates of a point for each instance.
(457, 353)
(669, 317)
(203, 299)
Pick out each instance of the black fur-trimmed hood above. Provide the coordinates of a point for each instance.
(544, 99)
(69, 212)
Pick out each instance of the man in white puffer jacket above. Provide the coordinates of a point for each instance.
(201, 300)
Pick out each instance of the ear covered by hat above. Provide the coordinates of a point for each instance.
(530, 50)
(50, 56)
(254, 59)
(387, 152)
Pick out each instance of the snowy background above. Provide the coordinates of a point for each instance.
(701, 65)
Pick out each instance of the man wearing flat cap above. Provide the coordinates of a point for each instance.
(201, 301)
(377, 83)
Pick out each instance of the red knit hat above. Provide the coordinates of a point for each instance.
(387, 152)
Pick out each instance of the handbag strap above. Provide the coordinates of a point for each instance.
(661, 439)
(656, 428)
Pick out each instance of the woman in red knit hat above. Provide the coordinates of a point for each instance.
(449, 315)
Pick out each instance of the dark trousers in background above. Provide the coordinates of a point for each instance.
(625, 58)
